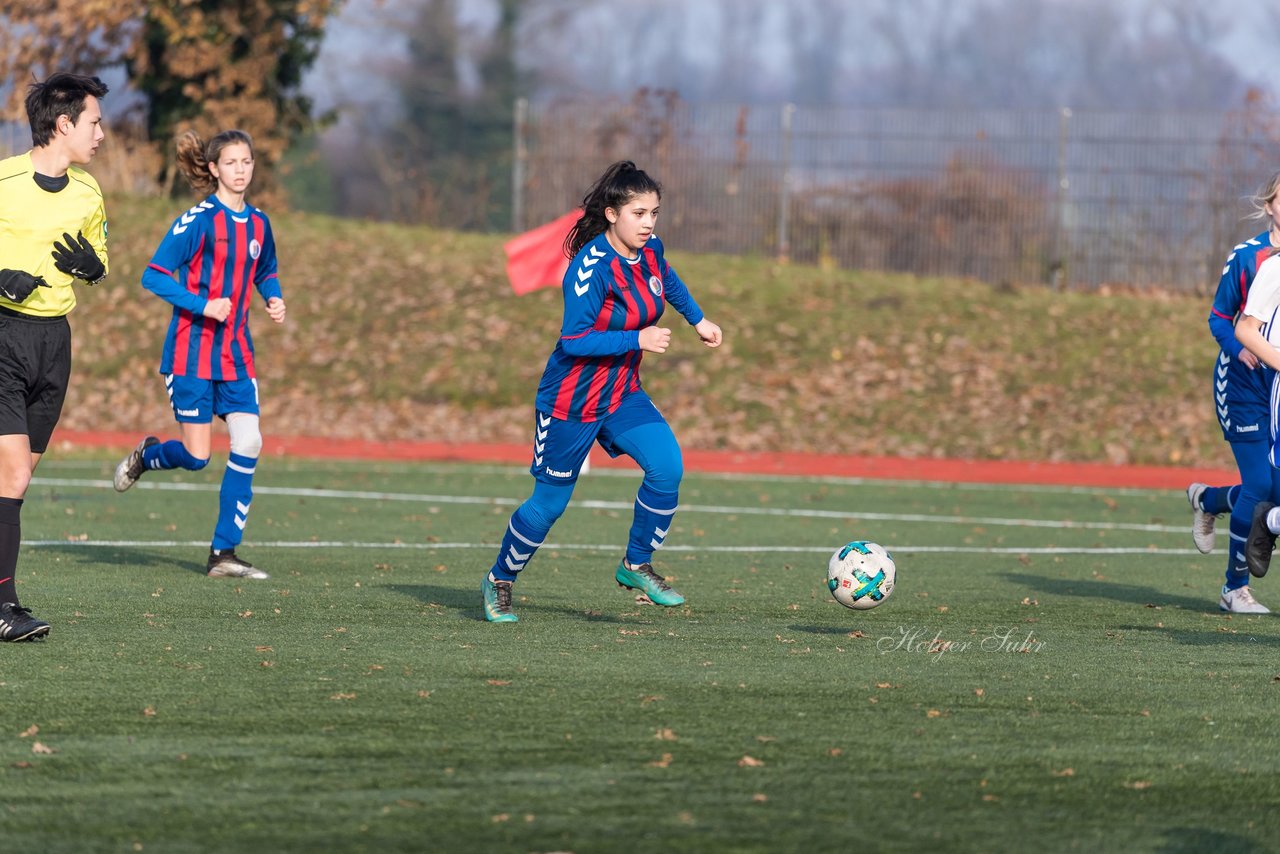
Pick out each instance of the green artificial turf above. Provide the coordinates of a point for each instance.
(1051, 673)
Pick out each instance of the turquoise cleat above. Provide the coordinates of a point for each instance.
(497, 601)
(648, 582)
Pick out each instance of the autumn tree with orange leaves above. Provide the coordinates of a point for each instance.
(203, 65)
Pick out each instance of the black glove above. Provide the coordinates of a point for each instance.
(17, 285)
(78, 259)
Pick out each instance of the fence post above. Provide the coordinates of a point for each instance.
(784, 200)
(519, 163)
(1058, 265)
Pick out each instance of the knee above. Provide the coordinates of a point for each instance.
(195, 463)
(666, 475)
(14, 481)
(246, 438)
(546, 505)
(1254, 489)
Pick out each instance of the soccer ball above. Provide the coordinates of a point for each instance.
(861, 575)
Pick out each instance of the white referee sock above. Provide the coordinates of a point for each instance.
(1273, 520)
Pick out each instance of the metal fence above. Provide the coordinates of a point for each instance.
(1072, 199)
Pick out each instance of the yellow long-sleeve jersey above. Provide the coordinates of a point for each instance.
(32, 218)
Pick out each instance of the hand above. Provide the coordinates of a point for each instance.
(1249, 360)
(275, 309)
(218, 309)
(709, 332)
(78, 259)
(17, 285)
(655, 339)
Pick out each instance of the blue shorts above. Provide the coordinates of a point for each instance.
(1241, 397)
(196, 401)
(559, 447)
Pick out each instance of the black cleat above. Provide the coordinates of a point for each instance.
(17, 624)
(1261, 542)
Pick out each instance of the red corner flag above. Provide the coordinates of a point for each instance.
(536, 259)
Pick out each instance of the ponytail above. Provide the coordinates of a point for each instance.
(195, 155)
(619, 184)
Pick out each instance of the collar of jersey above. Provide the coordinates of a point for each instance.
(607, 246)
(240, 216)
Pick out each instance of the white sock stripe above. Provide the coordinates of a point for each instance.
(521, 537)
(242, 507)
(240, 522)
(240, 468)
(670, 512)
(655, 544)
(1273, 519)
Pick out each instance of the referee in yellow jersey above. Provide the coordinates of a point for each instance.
(53, 234)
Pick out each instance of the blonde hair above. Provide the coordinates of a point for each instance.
(1266, 195)
(195, 155)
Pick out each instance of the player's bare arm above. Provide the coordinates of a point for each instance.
(1249, 333)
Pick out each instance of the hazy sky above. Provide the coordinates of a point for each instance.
(365, 45)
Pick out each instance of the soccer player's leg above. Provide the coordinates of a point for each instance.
(237, 402)
(640, 432)
(559, 449)
(16, 622)
(1244, 401)
(1257, 478)
(192, 402)
(1207, 504)
(35, 368)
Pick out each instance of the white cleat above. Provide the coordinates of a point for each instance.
(1201, 521)
(131, 467)
(1241, 601)
(227, 565)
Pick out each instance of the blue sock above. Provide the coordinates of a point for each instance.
(1219, 499)
(520, 541)
(172, 455)
(233, 502)
(653, 514)
(528, 528)
(1237, 570)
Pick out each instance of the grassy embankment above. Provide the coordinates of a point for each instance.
(405, 332)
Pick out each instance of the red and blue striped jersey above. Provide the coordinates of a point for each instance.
(608, 299)
(213, 252)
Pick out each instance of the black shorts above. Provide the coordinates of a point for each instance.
(35, 365)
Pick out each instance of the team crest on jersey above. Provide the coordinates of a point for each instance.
(255, 249)
(655, 285)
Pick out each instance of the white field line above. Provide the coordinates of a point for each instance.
(303, 492)
(606, 547)
(455, 468)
